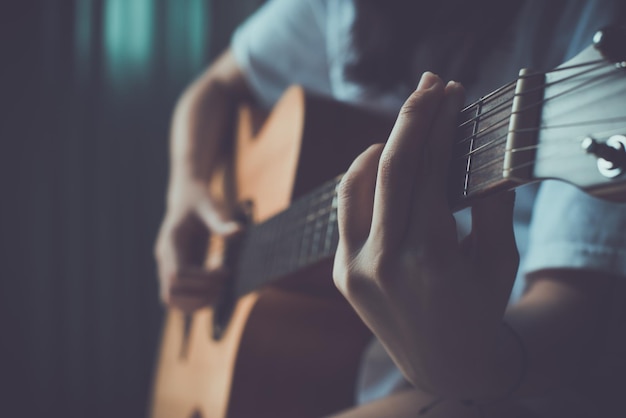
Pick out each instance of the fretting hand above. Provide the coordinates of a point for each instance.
(435, 303)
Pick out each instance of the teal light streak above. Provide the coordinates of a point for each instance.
(128, 39)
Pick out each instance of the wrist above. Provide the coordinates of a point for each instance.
(505, 369)
(484, 375)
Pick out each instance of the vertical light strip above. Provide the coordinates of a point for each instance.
(186, 38)
(198, 34)
(128, 39)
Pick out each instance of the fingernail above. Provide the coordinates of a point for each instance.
(427, 81)
(453, 84)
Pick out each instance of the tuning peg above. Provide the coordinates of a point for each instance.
(611, 42)
(611, 154)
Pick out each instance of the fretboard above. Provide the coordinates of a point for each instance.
(307, 232)
(296, 238)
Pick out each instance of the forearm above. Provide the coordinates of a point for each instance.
(203, 119)
(548, 340)
(201, 122)
(561, 320)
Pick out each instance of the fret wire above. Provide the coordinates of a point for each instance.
(564, 79)
(499, 141)
(488, 164)
(271, 250)
(469, 157)
(314, 234)
(332, 219)
(532, 90)
(473, 169)
(307, 245)
(324, 202)
(269, 240)
(493, 126)
(331, 226)
(311, 220)
(488, 96)
(482, 101)
(533, 74)
(536, 146)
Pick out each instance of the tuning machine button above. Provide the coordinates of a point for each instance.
(611, 42)
(611, 154)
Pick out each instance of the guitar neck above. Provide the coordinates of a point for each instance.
(296, 238)
(306, 232)
(532, 129)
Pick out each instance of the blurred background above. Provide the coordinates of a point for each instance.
(87, 88)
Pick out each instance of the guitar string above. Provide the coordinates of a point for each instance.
(329, 196)
(531, 106)
(315, 221)
(312, 221)
(529, 75)
(526, 76)
(481, 102)
(315, 218)
(322, 217)
(302, 256)
(561, 155)
(506, 119)
(502, 138)
(499, 140)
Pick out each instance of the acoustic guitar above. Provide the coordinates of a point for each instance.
(281, 341)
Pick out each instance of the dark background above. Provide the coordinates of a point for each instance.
(87, 88)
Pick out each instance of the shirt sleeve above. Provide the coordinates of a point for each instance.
(571, 229)
(284, 43)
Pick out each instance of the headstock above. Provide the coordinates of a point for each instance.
(582, 132)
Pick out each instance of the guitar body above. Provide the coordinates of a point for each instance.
(291, 349)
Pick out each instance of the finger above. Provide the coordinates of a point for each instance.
(216, 218)
(187, 304)
(188, 242)
(196, 284)
(443, 135)
(355, 199)
(493, 238)
(402, 152)
(431, 220)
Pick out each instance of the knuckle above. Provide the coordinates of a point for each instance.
(383, 268)
(387, 167)
(347, 275)
(414, 104)
(359, 171)
(341, 269)
(346, 186)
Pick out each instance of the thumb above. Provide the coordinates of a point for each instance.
(493, 238)
(216, 217)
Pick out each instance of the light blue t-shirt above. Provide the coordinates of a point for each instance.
(308, 43)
